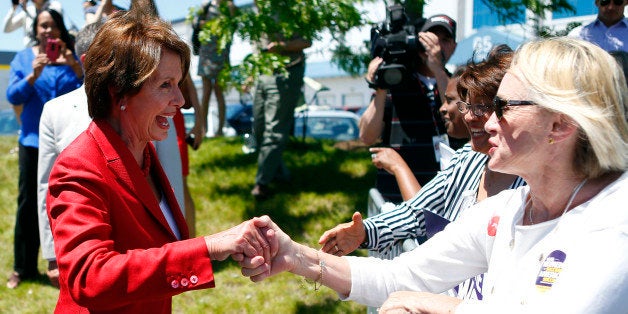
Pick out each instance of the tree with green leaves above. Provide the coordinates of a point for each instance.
(308, 18)
(312, 18)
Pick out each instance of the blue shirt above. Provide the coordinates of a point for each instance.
(54, 81)
(608, 38)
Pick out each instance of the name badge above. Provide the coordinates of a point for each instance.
(436, 140)
(550, 270)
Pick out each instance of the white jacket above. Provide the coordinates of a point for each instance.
(526, 269)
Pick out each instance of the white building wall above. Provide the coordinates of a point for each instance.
(344, 92)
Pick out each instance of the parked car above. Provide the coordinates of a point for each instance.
(360, 111)
(188, 119)
(8, 123)
(337, 125)
(319, 123)
(239, 119)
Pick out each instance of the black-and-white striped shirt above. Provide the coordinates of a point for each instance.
(451, 192)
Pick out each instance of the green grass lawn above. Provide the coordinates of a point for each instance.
(328, 185)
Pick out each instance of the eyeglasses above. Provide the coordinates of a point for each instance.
(477, 109)
(499, 105)
(604, 3)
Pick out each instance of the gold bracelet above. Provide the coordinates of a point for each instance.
(318, 282)
(321, 264)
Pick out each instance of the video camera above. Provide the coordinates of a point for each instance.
(397, 42)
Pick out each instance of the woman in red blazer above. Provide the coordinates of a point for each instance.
(121, 241)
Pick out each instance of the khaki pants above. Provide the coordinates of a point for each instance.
(273, 112)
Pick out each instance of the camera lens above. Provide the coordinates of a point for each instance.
(393, 76)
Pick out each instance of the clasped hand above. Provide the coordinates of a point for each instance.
(282, 253)
(252, 243)
(260, 247)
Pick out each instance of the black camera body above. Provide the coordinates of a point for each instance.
(397, 42)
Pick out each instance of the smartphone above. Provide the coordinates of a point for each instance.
(52, 50)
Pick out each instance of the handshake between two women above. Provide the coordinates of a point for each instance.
(262, 249)
(254, 244)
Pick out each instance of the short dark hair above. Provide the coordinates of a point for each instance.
(481, 79)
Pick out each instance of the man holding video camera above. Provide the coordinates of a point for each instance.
(403, 112)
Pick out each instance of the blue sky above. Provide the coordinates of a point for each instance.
(73, 12)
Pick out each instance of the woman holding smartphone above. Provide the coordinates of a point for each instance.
(38, 74)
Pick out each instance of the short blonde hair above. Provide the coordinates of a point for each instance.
(583, 82)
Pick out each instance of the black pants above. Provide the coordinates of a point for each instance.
(26, 238)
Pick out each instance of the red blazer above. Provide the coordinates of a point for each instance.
(115, 250)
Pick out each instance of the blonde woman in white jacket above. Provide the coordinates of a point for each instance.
(557, 245)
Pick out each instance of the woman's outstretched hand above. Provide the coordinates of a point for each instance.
(344, 238)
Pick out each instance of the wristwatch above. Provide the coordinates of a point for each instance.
(371, 84)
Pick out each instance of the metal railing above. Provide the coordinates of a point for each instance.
(374, 206)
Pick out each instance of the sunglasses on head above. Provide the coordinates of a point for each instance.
(604, 3)
(499, 105)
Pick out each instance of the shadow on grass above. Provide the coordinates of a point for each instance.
(323, 307)
(40, 279)
(315, 168)
(225, 153)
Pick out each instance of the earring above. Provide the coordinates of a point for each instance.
(123, 107)
(550, 141)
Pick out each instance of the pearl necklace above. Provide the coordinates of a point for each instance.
(571, 198)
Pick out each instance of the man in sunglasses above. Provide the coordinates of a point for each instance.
(610, 29)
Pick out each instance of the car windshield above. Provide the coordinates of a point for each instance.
(336, 128)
